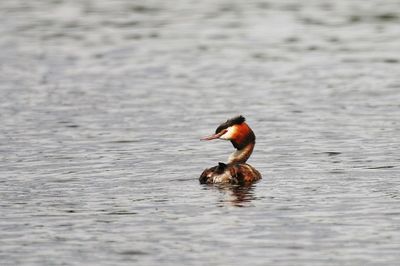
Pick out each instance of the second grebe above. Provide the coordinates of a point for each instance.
(236, 171)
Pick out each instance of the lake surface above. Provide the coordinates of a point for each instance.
(102, 104)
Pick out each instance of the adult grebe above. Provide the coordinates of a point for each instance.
(236, 171)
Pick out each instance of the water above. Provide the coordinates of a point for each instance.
(103, 102)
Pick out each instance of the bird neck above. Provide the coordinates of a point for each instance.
(243, 154)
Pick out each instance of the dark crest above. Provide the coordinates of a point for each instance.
(233, 121)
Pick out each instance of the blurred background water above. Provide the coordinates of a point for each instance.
(102, 104)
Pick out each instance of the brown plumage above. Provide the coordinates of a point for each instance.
(236, 171)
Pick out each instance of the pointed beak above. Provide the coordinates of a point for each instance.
(215, 136)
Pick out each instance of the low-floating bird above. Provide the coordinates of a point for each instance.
(236, 171)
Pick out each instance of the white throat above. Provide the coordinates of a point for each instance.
(242, 155)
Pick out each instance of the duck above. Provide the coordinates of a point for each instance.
(236, 170)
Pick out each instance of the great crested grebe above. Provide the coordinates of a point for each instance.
(236, 171)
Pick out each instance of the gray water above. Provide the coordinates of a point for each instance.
(102, 104)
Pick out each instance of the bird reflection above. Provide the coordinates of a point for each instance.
(234, 195)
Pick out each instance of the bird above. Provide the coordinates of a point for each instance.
(236, 170)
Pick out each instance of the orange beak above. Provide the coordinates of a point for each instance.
(215, 136)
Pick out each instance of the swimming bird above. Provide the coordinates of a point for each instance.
(236, 170)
